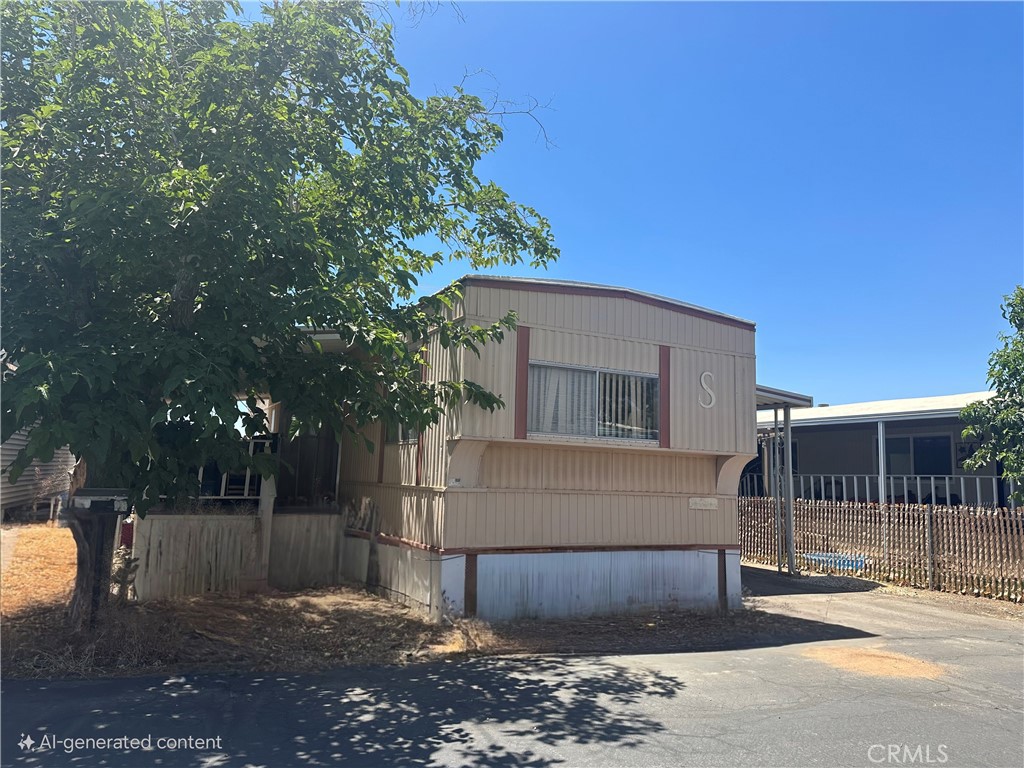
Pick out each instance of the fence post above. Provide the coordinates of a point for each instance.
(888, 546)
(723, 592)
(929, 546)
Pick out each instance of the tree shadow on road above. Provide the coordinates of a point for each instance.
(485, 711)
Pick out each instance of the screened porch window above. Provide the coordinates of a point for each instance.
(585, 402)
(927, 455)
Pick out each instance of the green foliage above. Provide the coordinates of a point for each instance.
(998, 423)
(186, 193)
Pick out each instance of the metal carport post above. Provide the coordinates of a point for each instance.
(774, 399)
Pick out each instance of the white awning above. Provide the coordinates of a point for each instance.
(770, 399)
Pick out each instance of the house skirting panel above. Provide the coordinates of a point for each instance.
(498, 585)
(420, 578)
(560, 584)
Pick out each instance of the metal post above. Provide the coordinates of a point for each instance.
(930, 544)
(883, 505)
(775, 487)
(790, 537)
(723, 592)
(881, 462)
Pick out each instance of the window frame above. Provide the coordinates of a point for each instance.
(598, 371)
(912, 437)
(401, 434)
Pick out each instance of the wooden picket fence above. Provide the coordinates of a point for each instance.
(952, 549)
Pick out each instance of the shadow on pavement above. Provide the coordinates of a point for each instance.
(477, 711)
(762, 582)
(365, 717)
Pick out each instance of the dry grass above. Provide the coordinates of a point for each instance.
(41, 571)
(271, 632)
(313, 630)
(255, 633)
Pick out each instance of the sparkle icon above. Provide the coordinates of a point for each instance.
(26, 743)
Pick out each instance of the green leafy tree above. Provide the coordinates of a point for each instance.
(998, 423)
(187, 192)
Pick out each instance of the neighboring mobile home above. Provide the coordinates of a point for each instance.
(836, 453)
(607, 483)
(38, 485)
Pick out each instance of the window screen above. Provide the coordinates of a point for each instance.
(629, 406)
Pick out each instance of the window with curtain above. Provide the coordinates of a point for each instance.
(591, 403)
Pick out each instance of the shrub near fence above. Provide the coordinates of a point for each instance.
(954, 549)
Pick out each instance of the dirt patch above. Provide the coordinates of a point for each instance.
(40, 570)
(316, 629)
(871, 661)
(255, 633)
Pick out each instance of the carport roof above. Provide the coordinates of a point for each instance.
(769, 398)
(942, 407)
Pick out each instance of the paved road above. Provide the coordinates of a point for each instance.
(941, 687)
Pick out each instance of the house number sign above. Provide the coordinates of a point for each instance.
(706, 399)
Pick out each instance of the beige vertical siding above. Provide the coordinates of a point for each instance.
(593, 351)
(524, 518)
(495, 371)
(442, 365)
(623, 334)
(534, 495)
(40, 480)
(359, 465)
(620, 317)
(536, 466)
(406, 512)
(726, 427)
(746, 409)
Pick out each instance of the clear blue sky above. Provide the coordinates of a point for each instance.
(848, 176)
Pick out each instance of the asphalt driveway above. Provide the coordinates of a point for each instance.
(920, 682)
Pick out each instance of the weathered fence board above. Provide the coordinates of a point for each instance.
(954, 549)
(307, 550)
(194, 554)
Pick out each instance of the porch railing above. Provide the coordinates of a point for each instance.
(217, 485)
(951, 490)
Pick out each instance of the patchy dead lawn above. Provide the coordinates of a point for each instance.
(313, 630)
(41, 570)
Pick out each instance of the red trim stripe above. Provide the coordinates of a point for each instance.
(522, 379)
(397, 541)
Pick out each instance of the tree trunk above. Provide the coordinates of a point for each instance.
(93, 529)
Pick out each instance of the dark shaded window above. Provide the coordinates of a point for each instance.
(933, 456)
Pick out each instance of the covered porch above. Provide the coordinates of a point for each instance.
(894, 452)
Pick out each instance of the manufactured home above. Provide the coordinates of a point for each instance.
(606, 484)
